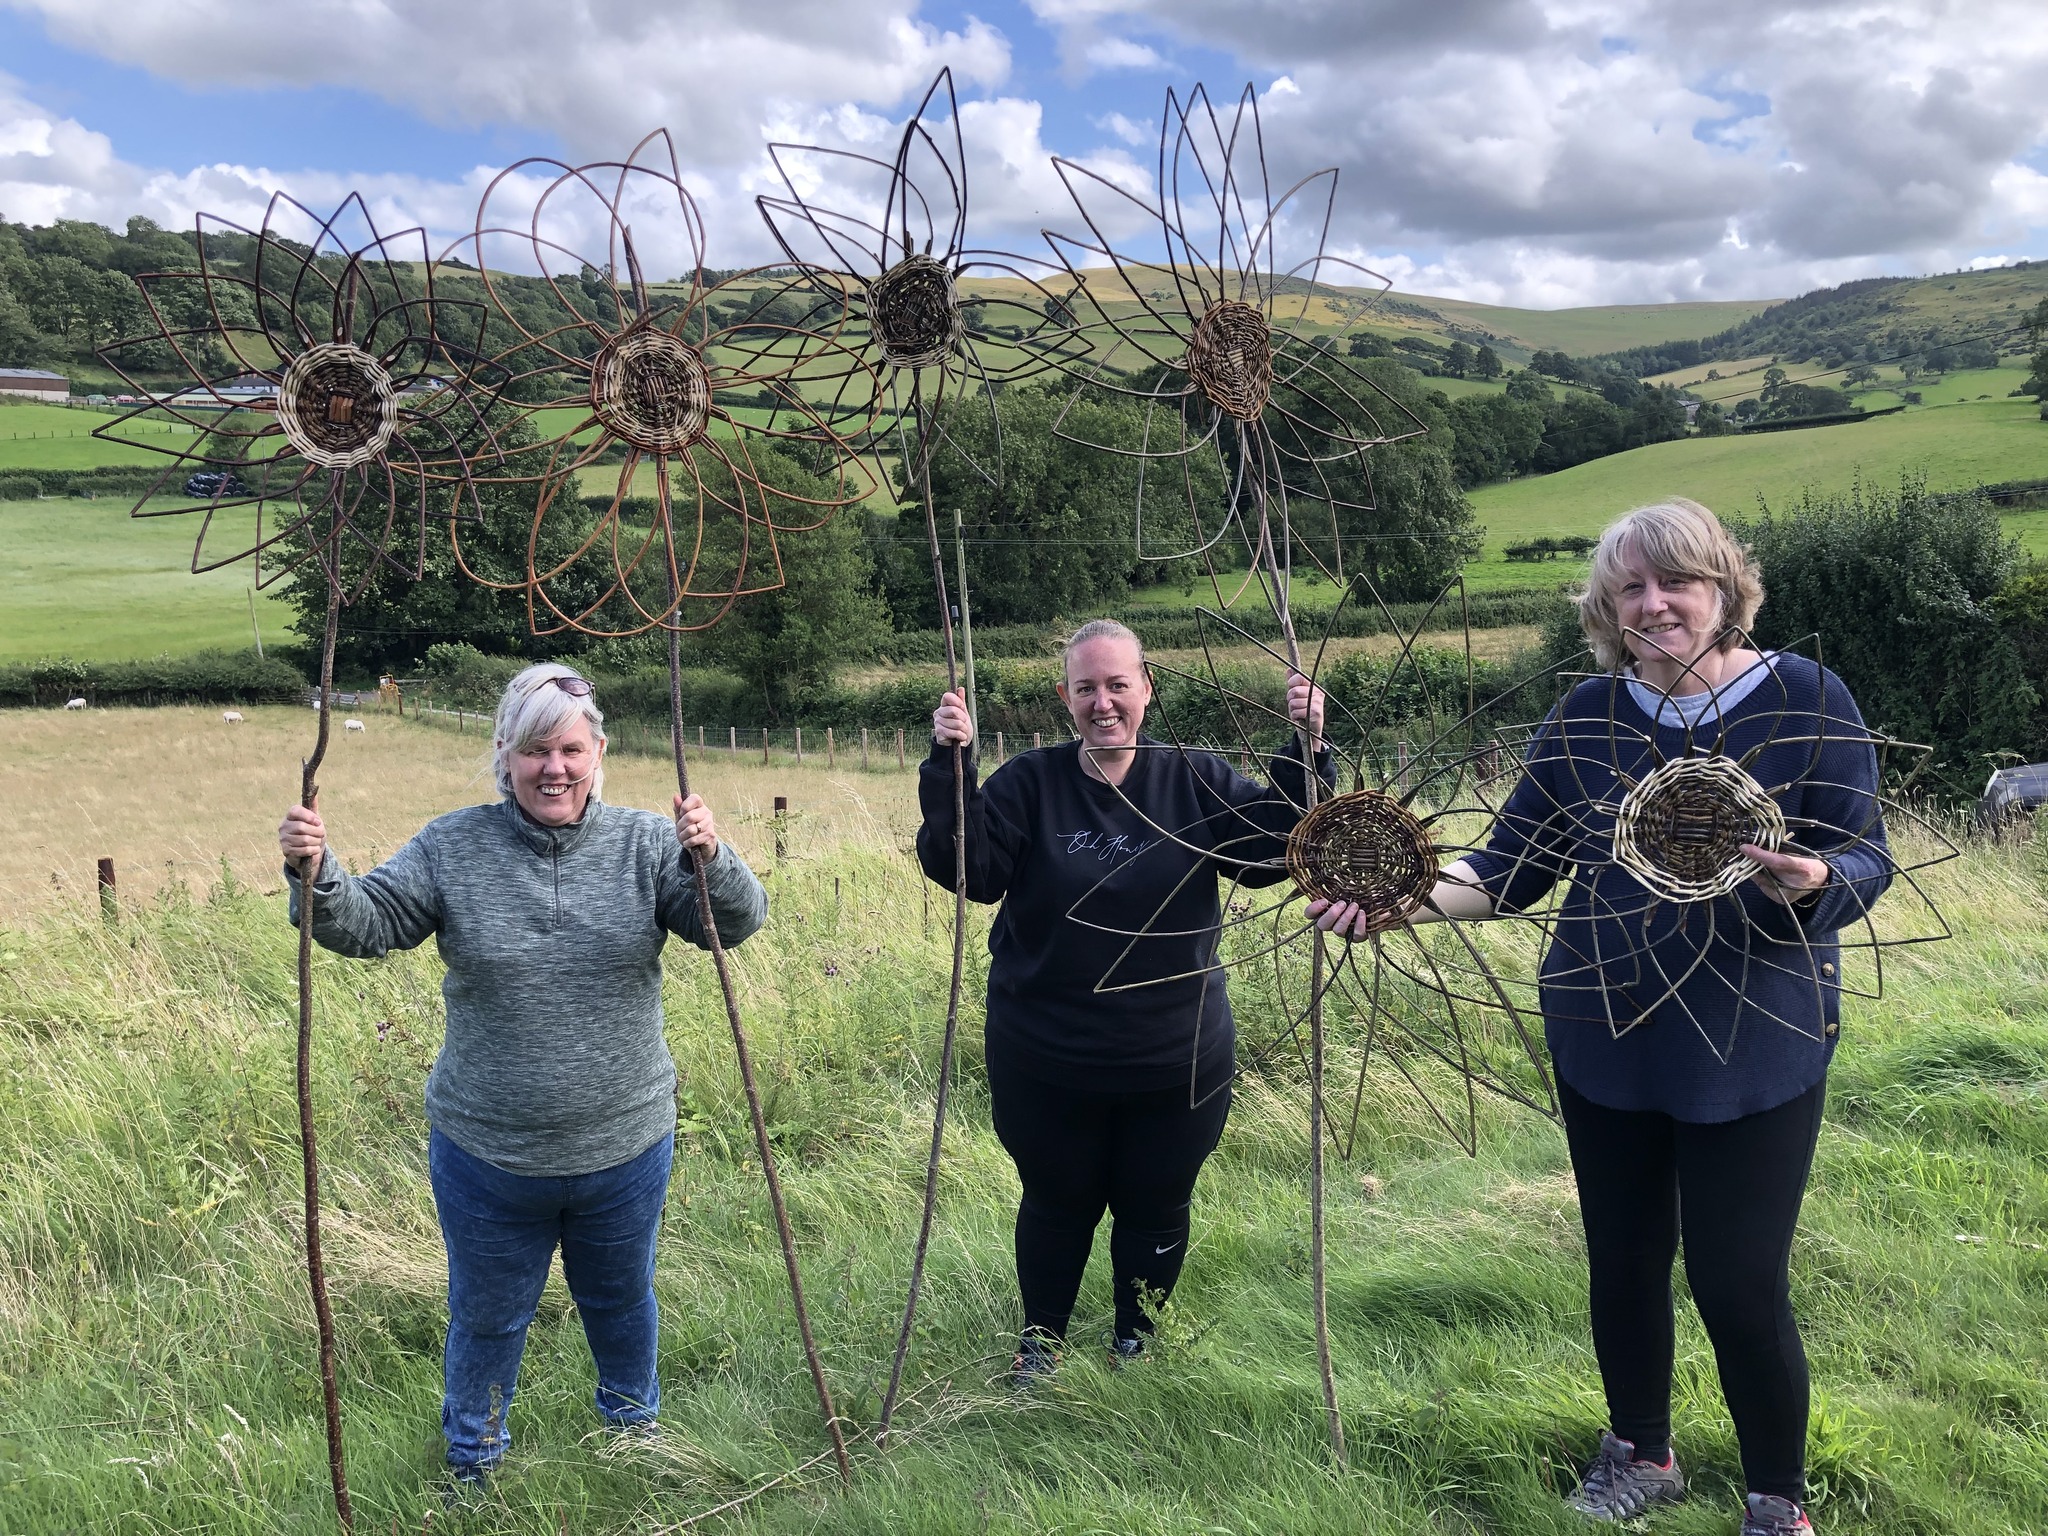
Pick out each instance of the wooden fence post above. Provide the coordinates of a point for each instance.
(1401, 765)
(863, 749)
(1037, 740)
(108, 909)
(733, 743)
(831, 750)
(799, 746)
(700, 739)
(764, 746)
(999, 749)
(899, 746)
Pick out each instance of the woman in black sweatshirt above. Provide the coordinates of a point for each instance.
(1109, 1058)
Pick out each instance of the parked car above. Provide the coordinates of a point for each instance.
(215, 482)
(2012, 795)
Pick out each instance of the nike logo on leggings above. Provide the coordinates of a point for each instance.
(1168, 1248)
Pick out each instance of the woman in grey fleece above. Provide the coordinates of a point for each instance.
(552, 1108)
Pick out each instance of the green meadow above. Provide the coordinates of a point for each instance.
(156, 1345)
(1957, 445)
(82, 578)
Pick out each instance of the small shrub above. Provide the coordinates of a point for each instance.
(19, 488)
(1901, 587)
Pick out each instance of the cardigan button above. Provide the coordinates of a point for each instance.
(1833, 1029)
(1827, 968)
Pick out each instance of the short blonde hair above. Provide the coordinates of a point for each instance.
(531, 711)
(1100, 629)
(1674, 538)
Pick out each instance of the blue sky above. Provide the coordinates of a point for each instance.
(1538, 152)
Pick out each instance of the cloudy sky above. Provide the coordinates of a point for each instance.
(1533, 152)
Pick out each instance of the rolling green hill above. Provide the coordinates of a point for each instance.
(1956, 445)
(1871, 319)
(1597, 328)
(83, 579)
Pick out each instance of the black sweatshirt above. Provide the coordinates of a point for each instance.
(1082, 868)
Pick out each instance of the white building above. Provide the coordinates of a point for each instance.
(36, 384)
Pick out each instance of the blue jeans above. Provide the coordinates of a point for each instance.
(501, 1230)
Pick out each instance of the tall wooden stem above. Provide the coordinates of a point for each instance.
(1282, 575)
(745, 1054)
(946, 1046)
(309, 1151)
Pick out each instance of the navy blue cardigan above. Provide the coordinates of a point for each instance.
(1705, 1011)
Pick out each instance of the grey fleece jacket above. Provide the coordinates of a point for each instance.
(554, 1062)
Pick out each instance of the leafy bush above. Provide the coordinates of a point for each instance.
(1171, 629)
(463, 677)
(1900, 587)
(19, 488)
(208, 677)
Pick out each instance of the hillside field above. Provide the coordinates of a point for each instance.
(156, 1346)
(84, 579)
(60, 437)
(1957, 445)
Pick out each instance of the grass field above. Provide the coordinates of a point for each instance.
(1978, 442)
(83, 579)
(156, 1349)
(36, 437)
(1599, 328)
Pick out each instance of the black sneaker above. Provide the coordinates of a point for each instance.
(1769, 1515)
(1036, 1359)
(1619, 1486)
(1125, 1353)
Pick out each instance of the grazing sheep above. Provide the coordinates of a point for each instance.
(351, 725)
(74, 703)
(232, 716)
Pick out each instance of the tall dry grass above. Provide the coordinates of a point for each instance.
(156, 1346)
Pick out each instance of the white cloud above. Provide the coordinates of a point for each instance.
(1573, 150)
(1531, 151)
(1130, 130)
(1121, 53)
(597, 73)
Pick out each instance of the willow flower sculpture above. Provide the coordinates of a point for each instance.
(340, 408)
(1215, 335)
(670, 376)
(898, 239)
(901, 249)
(677, 384)
(1415, 764)
(329, 385)
(1659, 835)
(1231, 334)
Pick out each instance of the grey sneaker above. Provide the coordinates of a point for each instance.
(467, 1484)
(1036, 1359)
(1617, 1486)
(1769, 1515)
(1125, 1353)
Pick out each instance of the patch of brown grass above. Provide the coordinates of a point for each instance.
(174, 795)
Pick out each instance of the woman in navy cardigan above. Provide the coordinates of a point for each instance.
(1691, 1035)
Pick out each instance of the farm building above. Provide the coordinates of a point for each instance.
(36, 383)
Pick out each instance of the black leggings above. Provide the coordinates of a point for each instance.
(1740, 1183)
(1078, 1152)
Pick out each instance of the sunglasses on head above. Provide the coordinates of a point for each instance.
(575, 687)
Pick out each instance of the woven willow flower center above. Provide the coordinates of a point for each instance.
(1364, 847)
(337, 405)
(651, 390)
(1681, 830)
(1230, 358)
(915, 313)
